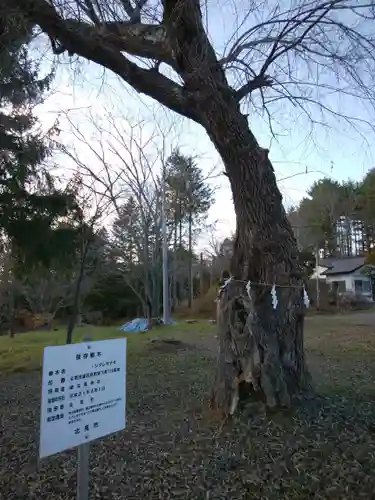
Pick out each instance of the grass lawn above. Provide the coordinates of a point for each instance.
(174, 446)
(24, 352)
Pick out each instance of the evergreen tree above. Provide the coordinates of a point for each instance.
(30, 204)
(189, 198)
(136, 236)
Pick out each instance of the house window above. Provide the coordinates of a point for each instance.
(339, 286)
(362, 286)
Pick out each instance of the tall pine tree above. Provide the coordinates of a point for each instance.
(30, 204)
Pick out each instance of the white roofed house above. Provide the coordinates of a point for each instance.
(348, 274)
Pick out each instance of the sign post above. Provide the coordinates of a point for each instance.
(83, 399)
(83, 472)
(83, 465)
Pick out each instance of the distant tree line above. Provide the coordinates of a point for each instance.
(338, 218)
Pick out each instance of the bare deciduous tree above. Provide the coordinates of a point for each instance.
(123, 162)
(46, 290)
(93, 207)
(297, 51)
(8, 286)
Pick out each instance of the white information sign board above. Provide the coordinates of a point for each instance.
(83, 394)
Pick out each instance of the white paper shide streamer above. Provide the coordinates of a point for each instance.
(248, 288)
(227, 281)
(306, 299)
(274, 297)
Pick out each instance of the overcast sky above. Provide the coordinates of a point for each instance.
(338, 152)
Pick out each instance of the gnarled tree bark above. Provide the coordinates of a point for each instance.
(258, 345)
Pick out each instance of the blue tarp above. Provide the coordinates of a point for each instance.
(137, 325)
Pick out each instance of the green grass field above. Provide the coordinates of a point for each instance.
(24, 352)
(337, 338)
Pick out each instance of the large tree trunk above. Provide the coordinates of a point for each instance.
(260, 348)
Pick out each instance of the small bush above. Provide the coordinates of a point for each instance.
(351, 301)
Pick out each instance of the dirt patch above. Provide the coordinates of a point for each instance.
(171, 346)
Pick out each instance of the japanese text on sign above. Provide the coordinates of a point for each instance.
(83, 394)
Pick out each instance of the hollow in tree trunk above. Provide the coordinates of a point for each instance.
(261, 348)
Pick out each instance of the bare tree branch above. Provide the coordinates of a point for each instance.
(296, 43)
(258, 82)
(309, 29)
(103, 48)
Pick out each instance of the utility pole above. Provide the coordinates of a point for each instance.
(190, 278)
(317, 276)
(166, 308)
(317, 282)
(201, 276)
(297, 236)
